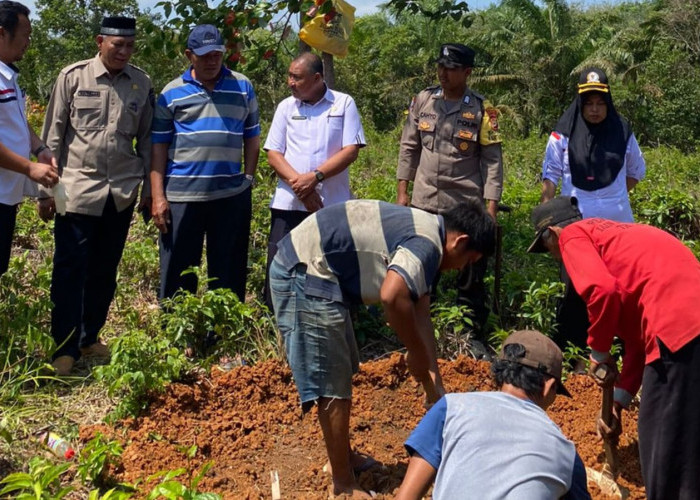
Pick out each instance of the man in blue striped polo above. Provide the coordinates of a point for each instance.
(365, 251)
(206, 142)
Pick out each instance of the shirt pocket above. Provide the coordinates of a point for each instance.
(128, 123)
(87, 112)
(465, 139)
(427, 134)
(335, 122)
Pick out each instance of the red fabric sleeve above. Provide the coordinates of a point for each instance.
(594, 283)
(632, 368)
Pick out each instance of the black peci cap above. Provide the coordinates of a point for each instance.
(118, 26)
(453, 55)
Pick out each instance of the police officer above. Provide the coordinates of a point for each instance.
(451, 150)
(98, 124)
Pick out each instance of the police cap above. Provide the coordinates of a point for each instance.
(453, 55)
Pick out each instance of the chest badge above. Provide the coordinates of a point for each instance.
(424, 125)
(465, 134)
(463, 146)
(468, 115)
(134, 86)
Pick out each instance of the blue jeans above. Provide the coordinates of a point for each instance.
(318, 337)
(84, 279)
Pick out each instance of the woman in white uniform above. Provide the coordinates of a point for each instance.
(593, 153)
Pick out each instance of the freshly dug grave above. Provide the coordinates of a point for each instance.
(248, 423)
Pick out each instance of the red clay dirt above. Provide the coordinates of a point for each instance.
(248, 423)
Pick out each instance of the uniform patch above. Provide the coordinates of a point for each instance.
(466, 99)
(299, 117)
(88, 93)
(556, 136)
(134, 86)
(465, 134)
(463, 146)
(468, 115)
(424, 125)
(493, 118)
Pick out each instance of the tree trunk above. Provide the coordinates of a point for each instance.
(328, 70)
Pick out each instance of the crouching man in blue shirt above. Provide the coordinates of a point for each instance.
(501, 444)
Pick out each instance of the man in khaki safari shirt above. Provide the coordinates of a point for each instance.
(98, 125)
(451, 150)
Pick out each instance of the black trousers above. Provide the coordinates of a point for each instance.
(226, 225)
(8, 216)
(86, 257)
(669, 424)
(572, 316)
(281, 223)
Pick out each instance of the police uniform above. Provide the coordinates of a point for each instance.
(98, 126)
(451, 150)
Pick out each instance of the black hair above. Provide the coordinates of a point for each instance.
(510, 371)
(312, 62)
(9, 15)
(471, 218)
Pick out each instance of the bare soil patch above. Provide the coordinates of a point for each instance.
(248, 423)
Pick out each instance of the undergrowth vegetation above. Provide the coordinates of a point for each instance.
(148, 339)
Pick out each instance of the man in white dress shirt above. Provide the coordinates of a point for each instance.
(315, 135)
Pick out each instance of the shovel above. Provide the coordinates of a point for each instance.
(605, 479)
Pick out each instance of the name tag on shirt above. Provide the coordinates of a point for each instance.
(299, 117)
(88, 93)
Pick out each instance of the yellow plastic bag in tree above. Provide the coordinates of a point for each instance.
(331, 32)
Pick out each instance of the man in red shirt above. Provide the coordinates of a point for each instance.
(642, 285)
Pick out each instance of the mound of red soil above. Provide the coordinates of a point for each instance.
(248, 423)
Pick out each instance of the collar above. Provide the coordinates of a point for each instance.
(8, 71)
(187, 75)
(101, 69)
(327, 95)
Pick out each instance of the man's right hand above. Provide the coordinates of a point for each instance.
(46, 175)
(46, 208)
(160, 211)
(604, 373)
(313, 202)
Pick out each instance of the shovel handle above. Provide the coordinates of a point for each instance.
(607, 407)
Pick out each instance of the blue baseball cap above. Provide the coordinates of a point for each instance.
(205, 38)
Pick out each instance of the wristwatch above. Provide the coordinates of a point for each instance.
(319, 175)
(38, 150)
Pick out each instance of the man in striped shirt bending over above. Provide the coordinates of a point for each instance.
(364, 251)
(205, 122)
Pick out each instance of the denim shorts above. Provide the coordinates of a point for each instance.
(318, 337)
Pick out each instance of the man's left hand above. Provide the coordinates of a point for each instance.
(612, 432)
(303, 185)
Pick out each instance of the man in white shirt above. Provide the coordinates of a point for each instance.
(315, 135)
(17, 139)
